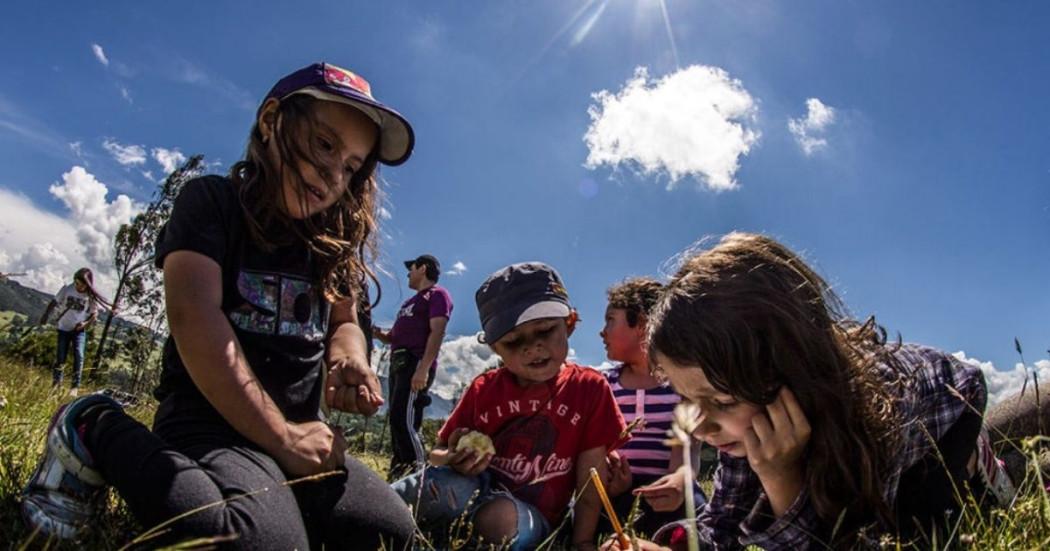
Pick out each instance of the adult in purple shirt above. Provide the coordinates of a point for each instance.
(414, 340)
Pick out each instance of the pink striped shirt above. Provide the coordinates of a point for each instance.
(646, 452)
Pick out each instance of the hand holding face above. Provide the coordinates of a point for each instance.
(778, 437)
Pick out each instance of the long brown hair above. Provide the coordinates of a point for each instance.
(755, 317)
(343, 237)
(87, 277)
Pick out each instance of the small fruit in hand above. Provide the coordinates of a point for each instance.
(476, 441)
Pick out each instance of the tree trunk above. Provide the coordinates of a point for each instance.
(95, 372)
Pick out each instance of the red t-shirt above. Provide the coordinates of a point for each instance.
(539, 430)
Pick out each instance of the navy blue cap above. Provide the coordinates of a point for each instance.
(517, 294)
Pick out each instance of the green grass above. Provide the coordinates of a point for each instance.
(30, 402)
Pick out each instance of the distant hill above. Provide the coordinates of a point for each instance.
(16, 297)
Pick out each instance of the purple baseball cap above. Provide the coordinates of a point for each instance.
(328, 82)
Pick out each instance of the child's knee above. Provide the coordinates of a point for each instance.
(438, 494)
(497, 521)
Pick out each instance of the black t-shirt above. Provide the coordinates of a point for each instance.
(272, 299)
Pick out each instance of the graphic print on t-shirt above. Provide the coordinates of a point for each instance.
(278, 304)
(526, 455)
(76, 304)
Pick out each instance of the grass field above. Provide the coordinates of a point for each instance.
(30, 402)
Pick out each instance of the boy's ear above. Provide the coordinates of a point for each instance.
(571, 321)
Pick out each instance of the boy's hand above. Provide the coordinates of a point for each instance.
(775, 445)
(466, 462)
(620, 479)
(311, 448)
(666, 494)
(352, 387)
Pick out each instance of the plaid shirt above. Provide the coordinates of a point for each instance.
(738, 513)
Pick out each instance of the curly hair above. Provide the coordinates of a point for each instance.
(755, 317)
(343, 237)
(636, 296)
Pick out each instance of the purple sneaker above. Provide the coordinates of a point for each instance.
(61, 497)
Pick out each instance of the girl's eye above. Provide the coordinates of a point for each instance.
(723, 406)
(325, 145)
(513, 343)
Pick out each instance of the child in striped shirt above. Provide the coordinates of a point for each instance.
(645, 465)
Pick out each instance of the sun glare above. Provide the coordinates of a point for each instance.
(584, 20)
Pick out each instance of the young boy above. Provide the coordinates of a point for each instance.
(550, 421)
(645, 465)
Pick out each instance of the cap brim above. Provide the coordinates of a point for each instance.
(396, 136)
(540, 310)
(500, 325)
(409, 264)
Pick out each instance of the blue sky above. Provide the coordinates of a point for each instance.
(915, 174)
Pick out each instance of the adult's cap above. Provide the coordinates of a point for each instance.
(517, 294)
(328, 82)
(426, 260)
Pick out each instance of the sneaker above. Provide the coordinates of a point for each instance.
(993, 472)
(62, 495)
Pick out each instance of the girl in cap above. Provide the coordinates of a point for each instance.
(79, 302)
(823, 428)
(261, 273)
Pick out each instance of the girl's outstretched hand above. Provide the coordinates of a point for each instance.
(353, 387)
(775, 445)
(666, 494)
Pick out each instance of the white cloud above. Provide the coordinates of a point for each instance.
(100, 55)
(384, 213)
(126, 94)
(77, 149)
(148, 174)
(95, 219)
(45, 267)
(694, 122)
(1003, 383)
(808, 132)
(169, 159)
(457, 269)
(49, 247)
(460, 360)
(37, 242)
(125, 154)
